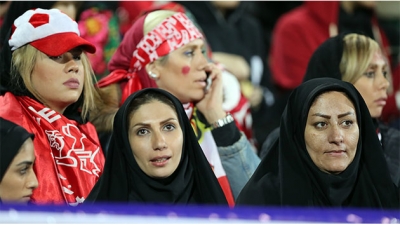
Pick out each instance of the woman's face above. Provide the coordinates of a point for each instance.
(20, 180)
(373, 85)
(332, 133)
(183, 74)
(59, 80)
(156, 139)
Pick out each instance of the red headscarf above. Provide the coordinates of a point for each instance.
(137, 50)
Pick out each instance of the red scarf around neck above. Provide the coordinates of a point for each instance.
(69, 158)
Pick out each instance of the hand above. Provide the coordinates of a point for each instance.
(211, 105)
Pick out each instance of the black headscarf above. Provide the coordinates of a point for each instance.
(325, 61)
(12, 137)
(122, 180)
(288, 177)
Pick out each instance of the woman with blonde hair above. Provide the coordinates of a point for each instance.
(49, 91)
(164, 49)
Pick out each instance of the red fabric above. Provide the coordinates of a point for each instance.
(133, 9)
(169, 35)
(390, 112)
(173, 6)
(69, 159)
(242, 115)
(123, 55)
(223, 181)
(297, 35)
(70, 40)
(129, 81)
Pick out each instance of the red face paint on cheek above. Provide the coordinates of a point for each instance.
(185, 70)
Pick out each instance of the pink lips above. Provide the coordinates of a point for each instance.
(27, 197)
(336, 152)
(160, 161)
(72, 83)
(202, 82)
(381, 101)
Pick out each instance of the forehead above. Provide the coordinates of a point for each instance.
(377, 59)
(332, 102)
(154, 109)
(198, 43)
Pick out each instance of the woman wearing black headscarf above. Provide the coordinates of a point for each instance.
(17, 178)
(291, 174)
(357, 59)
(172, 170)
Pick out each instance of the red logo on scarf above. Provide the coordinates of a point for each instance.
(69, 159)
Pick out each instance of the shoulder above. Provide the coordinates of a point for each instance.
(263, 187)
(390, 136)
(10, 107)
(264, 191)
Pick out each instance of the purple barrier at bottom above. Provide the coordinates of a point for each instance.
(138, 213)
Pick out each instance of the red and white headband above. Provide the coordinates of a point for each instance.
(171, 34)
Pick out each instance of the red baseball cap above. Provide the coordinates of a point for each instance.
(50, 31)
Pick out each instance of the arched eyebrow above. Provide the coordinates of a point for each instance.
(328, 117)
(161, 122)
(25, 163)
(191, 46)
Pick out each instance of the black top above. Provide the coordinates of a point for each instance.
(288, 177)
(12, 137)
(124, 181)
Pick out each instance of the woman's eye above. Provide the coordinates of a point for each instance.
(55, 57)
(141, 132)
(169, 127)
(189, 53)
(370, 74)
(385, 73)
(23, 171)
(77, 57)
(347, 123)
(319, 124)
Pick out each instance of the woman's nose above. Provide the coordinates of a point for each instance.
(203, 62)
(159, 142)
(382, 81)
(72, 66)
(336, 135)
(32, 180)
